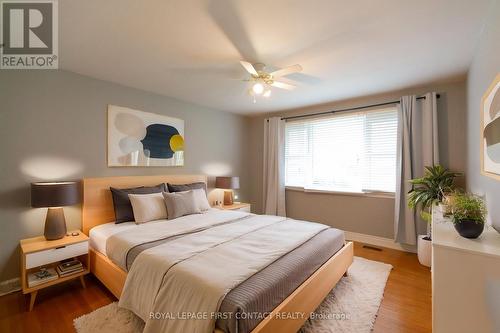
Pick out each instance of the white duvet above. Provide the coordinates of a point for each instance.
(118, 244)
(178, 286)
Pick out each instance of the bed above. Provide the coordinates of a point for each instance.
(296, 281)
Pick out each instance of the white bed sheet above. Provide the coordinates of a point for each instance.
(99, 234)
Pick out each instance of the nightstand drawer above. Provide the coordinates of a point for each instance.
(45, 257)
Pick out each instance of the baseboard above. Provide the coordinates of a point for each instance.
(10, 286)
(379, 241)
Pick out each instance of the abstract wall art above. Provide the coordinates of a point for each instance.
(490, 130)
(142, 139)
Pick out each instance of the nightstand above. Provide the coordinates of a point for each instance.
(242, 206)
(38, 252)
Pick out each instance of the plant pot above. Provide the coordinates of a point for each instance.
(424, 250)
(469, 228)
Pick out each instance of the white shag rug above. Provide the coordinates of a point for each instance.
(351, 307)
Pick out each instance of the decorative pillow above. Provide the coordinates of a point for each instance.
(148, 207)
(186, 187)
(180, 204)
(121, 202)
(200, 197)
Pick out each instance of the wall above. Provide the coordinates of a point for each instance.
(53, 126)
(365, 214)
(485, 66)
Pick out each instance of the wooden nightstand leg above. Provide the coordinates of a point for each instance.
(82, 280)
(32, 299)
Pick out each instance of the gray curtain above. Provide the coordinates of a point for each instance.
(274, 166)
(417, 147)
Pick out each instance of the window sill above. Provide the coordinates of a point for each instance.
(386, 195)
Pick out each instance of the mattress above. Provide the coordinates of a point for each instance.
(244, 305)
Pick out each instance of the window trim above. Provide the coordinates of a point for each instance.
(366, 194)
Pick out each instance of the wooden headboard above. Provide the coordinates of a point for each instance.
(98, 203)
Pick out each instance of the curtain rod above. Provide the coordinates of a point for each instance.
(348, 109)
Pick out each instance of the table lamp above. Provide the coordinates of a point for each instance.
(54, 195)
(227, 183)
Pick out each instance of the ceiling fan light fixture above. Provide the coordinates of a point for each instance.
(267, 93)
(258, 88)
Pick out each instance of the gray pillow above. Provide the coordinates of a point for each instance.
(186, 187)
(180, 204)
(121, 201)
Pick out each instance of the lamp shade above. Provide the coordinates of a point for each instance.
(54, 194)
(232, 183)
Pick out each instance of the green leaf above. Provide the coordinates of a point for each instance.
(430, 188)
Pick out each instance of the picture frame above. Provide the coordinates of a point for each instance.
(142, 139)
(490, 130)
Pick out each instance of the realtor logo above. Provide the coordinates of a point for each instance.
(29, 34)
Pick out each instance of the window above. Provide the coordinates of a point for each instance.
(353, 152)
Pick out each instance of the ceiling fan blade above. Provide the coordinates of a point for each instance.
(283, 85)
(227, 17)
(287, 70)
(249, 67)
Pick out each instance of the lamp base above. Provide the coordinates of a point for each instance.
(55, 224)
(228, 198)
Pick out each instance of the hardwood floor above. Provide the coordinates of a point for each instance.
(55, 307)
(406, 306)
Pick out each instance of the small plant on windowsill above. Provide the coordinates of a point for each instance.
(427, 191)
(469, 212)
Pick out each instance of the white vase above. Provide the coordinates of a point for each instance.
(424, 249)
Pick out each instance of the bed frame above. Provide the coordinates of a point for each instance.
(98, 209)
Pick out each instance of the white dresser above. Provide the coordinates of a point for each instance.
(465, 279)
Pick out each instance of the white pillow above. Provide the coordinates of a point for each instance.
(148, 207)
(200, 197)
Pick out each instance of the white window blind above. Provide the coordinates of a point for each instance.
(353, 152)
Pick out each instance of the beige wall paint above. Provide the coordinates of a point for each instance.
(484, 68)
(367, 215)
(53, 126)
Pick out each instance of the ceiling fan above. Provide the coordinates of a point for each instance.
(262, 80)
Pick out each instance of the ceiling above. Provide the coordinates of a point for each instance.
(190, 49)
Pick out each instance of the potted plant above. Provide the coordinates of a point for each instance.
(426, 191)
(469, 212)
(447, 204)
